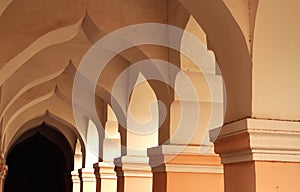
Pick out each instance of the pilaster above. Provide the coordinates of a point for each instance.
(260, 155)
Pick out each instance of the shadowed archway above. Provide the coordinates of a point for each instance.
(40, 161)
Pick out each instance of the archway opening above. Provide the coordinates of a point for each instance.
(39, 163)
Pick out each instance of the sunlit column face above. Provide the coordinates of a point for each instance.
(92, 147)
(195, 29)
(112, 140)
(142, 118)
(78, 156)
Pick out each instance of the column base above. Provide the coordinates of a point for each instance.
(106, 177)
(185, 171)
(134, 174)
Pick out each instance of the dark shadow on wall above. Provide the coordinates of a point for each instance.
(37, 164)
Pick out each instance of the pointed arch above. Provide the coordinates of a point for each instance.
(60, 125)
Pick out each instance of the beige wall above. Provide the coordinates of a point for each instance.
(276, 68)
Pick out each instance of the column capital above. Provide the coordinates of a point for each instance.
(173, 163)
(105, 170)
(134, 166)
(183, 159)
(75, 176)
(252, 139)
(132, 170)
(87, 174)
(106, 177)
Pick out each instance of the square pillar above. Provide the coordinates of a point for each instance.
(76, 181)
(88, 180)
(182, 168)
(134, 174)
(260, 155)
(106, 177)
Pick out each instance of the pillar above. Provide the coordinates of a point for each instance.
(134, 174)
(187, 162)
(105, 170)
(106, 177)
(77, 165)
(76, 181)
(87, 179)
(260, 155)
(141, 132)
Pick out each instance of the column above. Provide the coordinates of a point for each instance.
(133, 169)
(76, 181)
(134, 174)
(260, 155)
(87, 174)
(187, 162)
(106, 177)
(87, 179)
(105, 170)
